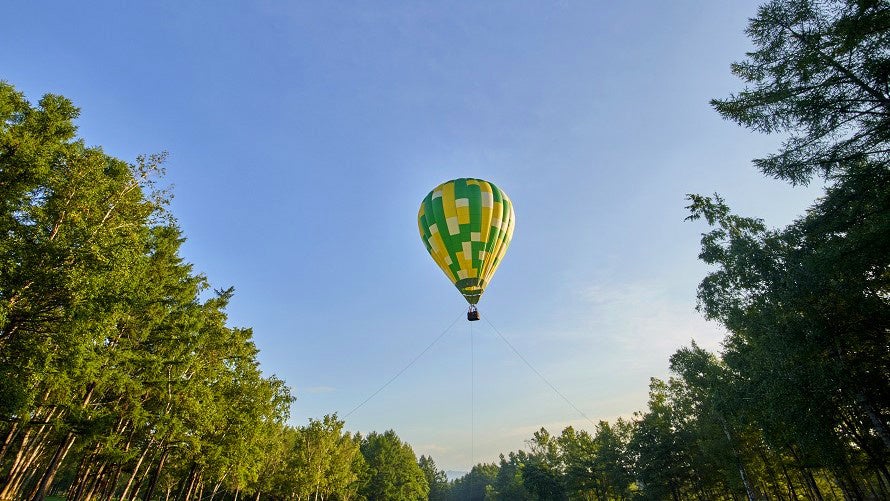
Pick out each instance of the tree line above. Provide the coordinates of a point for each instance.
(122, 380)
(796, 405)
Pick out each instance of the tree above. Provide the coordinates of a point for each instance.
(393, 472)
(508, 483)
(808, 313)
(661, 445)
(808, 306)
(119, 381)
(720, 437)
(821, 71)
(435, 478)
(324, 460)
(611, 461)
(542, 473)
(76, 228)
(477, 485)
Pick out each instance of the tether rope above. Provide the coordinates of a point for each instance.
(530, 366)
(415, 359)
(472, 402)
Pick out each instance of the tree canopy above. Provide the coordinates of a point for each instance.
(820, 71)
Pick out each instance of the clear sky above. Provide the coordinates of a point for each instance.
(303, 136)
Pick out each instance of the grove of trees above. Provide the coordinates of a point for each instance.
(120, 378)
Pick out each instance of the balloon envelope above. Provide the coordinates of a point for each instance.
(466, 225)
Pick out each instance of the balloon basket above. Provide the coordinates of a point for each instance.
(472, 313)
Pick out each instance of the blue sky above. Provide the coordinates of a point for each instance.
(303, 136)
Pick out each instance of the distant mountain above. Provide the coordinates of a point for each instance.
(454, 474)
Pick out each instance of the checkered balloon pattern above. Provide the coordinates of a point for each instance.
(466, 225)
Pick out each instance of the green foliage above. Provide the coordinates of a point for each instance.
(801, 392)
(477, 485)
(607, 460)
(509, 482)
(435, 479)
(543, 471)
(662, 444)
(121, 377)
(325, 461)
(393, 472)
(808, 313)
(573, 465)
(819, 71)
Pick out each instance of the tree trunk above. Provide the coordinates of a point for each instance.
(882, 477)
(200, 487)
(808, 481)
(154, 479)
(21, 473)
(139, 483)
(77, 488)
(862, 401)
(193, 477)
(218, 485)
(15, 469)
(96, 484)
(136, 469)
(872, 491)
(112, 483)
(768, 467)
(788, 479)
(876, 421)
(26, 462)
(183, 494)
(856, 486)
(738, 459)
(32, 446)
(39, 493)
(7, 441)
(56, 461)
(811, 483)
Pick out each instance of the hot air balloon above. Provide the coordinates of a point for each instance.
(466, 225)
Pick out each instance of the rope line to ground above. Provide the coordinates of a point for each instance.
(415, 359)
(530, 366)
(472, 402)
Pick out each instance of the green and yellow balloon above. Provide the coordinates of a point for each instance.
(466, 225)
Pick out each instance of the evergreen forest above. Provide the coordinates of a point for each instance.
(121, 379)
